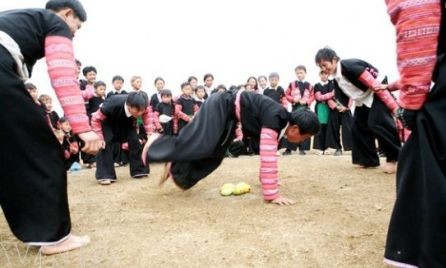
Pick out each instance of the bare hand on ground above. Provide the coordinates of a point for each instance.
(283, 201)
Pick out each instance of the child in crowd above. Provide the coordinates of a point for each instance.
(99, 97)
(375, 107)
(47, 102)
(274, 91)
(208, 80)
(257, 116)
(70, 145)
(115, 121)
(136, 82)
(185, 106)
(164, 114)
(300, 94)
(262, 84)
(219, 89)
(156, 97)
(118, 83)
(34, 93)
(193, 81)
(251, 84)
(200, 93)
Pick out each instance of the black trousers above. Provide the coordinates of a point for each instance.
(339, 127)
(105, 168)
(417, 229)
(33, 181)
(120, 156)
(201, 146)
(303, 146)
(370, 124)
(320, 139)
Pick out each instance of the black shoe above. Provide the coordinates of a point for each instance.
(302, 152)
(338, 152)
(140, 176)
(287, 152)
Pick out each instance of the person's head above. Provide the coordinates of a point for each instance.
(99, 88)
(118, 82)
(274, 79)
(166, 96)
(186, 88)
(47, 101)
(324, 76)
(327, 59)
(241, 87)
(78, 67)
(64, 125)
(303, 124)
(90, 73)
(32, 90)
(252, 83)
(159, 83)
(221, 88)
(200, 92)
(193, 81)
(137, 102)
(301, 72)
(263, 81)
(70, 11)
(136, 82)
(208, 80)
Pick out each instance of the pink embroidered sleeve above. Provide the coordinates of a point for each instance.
(288, 93)
(62, 72)
(148, 120)
(268, 164)
(332, 104)
(324, 97)
(179, 113)
(88, 93)
(96, 123)
(417, 41)
(369, 80)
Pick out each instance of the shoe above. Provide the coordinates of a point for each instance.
(302, 152)
(75, 167)
(140, 176)
(104, 181)
(338, 152)
(287, 152)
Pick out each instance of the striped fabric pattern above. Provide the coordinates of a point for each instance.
(417, 24)
(96, 123)
(148, 120)
(371, 82)
(62, 72)
(269, 174)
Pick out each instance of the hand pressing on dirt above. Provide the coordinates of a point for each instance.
(283, 201)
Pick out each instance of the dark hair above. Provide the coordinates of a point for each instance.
(221, 87)
(206, 76)
(30, 86)
(137, 99)
(252, 77)
(185, 84)
(159, 78)
(300, 67)
(262, 76)
(75, 5)
(200, 87)
(191, 78)
(78, 62)
(117, 77)
(98, 84)
(325, 54)
(88, 69)
(63, 119)
(166, 93)
(306, 120)
(273, 74)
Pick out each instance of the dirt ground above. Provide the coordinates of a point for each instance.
(340, 219)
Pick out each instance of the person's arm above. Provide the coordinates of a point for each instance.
(383, 94)
(324, 97)
(288, 93)
(62, 72)
(96, 123)
(179, 113)
(148, 120)
(88, 93)
(269, 174)
(417, 54)
(309, 93)
(156, 116)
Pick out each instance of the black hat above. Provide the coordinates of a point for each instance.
(75, 5)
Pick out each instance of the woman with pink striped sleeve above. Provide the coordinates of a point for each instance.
(225, 118)
(33, 182)
(417, 228)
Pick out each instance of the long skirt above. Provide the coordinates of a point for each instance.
(33, 180)
(417, 230)
(201, 146)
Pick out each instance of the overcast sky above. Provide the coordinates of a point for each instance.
(232, 39)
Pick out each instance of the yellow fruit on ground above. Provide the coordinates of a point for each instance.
(241, 188)
(227, 189)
